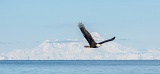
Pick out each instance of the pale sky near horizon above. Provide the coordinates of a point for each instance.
(27, 23)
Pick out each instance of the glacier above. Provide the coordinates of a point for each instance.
(74, 50)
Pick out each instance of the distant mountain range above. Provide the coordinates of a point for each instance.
(74, 50)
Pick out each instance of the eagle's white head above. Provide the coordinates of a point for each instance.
(98, 45)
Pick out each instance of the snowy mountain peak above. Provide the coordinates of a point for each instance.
(1, 57)
(45, 44)
(62, 50)
(96, 36)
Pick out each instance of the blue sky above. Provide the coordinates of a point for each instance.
(27, 23)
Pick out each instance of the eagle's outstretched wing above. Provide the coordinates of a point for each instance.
(87, 35)
(107, 40)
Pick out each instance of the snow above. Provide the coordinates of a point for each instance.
(75, 50)
(1, 57)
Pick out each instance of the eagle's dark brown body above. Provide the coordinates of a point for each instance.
(89, 38)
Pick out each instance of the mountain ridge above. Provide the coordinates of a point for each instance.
(75, 50)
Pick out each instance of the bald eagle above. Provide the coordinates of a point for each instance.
(89, 38)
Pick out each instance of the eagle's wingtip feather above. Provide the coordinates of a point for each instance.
(80, 25)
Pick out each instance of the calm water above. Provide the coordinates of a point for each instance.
(80, 67)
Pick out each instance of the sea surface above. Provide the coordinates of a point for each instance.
(80, 67)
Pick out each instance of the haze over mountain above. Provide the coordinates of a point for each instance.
(74, 50)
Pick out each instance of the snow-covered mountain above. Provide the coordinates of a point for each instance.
(1, 57)
(74, 50)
